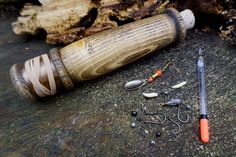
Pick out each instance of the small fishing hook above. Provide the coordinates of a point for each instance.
(178, 116)
(156, 122)
(178, 130)
(174, 132)
(167, 64)
(153, 113)
(143, 131)
(175, 137)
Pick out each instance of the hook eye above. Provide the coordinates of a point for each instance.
(167, 64)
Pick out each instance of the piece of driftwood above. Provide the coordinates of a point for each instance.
(228, 30)
(8, 1)
(59, 18)
(219, 14)
(66, 21)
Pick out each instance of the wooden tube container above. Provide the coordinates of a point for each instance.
(101, 53)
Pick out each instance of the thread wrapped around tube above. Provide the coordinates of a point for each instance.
(106, 51)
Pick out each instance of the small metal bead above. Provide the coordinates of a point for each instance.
(134, 113)
(152, 142)
(188, 107)
(146, 132)
(133, 125)
(165, 92)
(158, 134)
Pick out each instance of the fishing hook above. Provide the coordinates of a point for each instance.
(178, 130)
(175, 137)
(156, 122)
(143, 131)
(178, 116)
(174, 132)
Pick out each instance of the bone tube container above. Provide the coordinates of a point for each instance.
(104, 52)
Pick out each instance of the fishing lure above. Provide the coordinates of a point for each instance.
(173, 102)
(179, 85)
(136, 84)
(150, 95)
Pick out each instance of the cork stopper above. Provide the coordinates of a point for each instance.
(188, 18)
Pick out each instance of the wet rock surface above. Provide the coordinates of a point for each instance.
(94, 119)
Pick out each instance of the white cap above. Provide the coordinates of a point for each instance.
(189, 18)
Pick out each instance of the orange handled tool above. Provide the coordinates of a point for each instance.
(204, 130)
